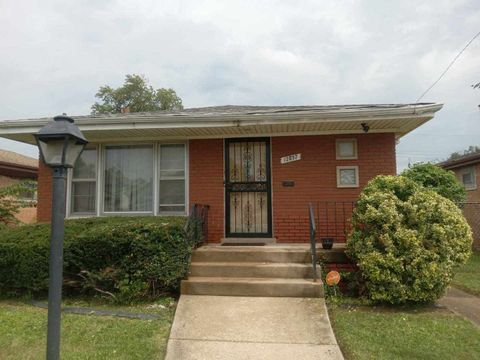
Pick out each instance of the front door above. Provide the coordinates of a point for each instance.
(248, 188)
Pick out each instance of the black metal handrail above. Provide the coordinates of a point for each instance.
(313, 241)
(199, 213)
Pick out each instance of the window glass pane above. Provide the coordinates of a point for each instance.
(348, 176)
(172, 160)
(467, 178)
(83, 197)
(172, 192)
(128, 178)
(346, 149)
(85, 165)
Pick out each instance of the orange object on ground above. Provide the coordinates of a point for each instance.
(333, 278)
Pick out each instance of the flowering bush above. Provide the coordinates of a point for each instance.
(406, 240)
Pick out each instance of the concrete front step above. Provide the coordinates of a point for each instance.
(268, 254)
(266, 287)
(252, 269)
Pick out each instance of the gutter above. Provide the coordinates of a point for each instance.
(191, 120)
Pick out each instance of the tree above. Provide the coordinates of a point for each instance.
(433, 177)
(136, 95)
(11, 202)
(472, 149)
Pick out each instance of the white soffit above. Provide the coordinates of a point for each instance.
(238, 121)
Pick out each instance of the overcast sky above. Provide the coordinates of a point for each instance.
(56, 54)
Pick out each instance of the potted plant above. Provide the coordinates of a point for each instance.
(327, 242)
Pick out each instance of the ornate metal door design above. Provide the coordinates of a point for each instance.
(248, 188)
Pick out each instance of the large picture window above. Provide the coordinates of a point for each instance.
(172, 178)
(128, 184)
(84, 181)
(129, 179)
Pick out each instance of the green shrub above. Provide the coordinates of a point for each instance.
(406, 240)
(122, 258)
(437, 179)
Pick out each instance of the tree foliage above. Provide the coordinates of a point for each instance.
(11, 200)
(472, 149)
(136, 95)
(435, 178)
(406, 241)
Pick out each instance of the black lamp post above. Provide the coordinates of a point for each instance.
(60, 143)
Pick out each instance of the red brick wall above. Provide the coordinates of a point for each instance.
(206, 174)
(44, 193)
(315, 176)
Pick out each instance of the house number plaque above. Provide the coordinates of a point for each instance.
(290, 158)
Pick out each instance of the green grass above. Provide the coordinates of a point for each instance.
(386, 333)
(23, 333)
(468, 276)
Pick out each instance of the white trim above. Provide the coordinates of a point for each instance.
(100, 182)
(344, 140)
(402, 119)
(192, 120)
(68, 201)
(352, 167)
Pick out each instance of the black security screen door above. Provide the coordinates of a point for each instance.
(247, 188)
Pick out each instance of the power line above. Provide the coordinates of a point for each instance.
(448, 67)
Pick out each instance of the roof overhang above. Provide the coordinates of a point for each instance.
(247, 122)
(18, 171)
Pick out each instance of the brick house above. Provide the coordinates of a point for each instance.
(256, 167)
(467, 171)
(15, 168)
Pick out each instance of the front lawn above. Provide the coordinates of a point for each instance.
(23, 333)
(467, 276)
(387, 333)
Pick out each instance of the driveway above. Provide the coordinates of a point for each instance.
(241, 328)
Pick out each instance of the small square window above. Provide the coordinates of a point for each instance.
(468, 178)
(347, 176)
(346, 149)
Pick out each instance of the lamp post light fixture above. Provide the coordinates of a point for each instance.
(60, 143)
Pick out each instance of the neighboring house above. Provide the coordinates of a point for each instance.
(15, 168)
(256, 167)
(467, 171)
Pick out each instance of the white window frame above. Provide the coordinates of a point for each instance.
(184, 178)
(100, 181)
(357, 182)
(472, 171)
(353, 141)
(68, 202)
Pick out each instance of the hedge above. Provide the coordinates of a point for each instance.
(123, 258)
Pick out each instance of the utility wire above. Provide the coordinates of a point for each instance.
(448, 67)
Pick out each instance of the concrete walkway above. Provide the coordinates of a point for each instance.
(241, 328)
(463, 304)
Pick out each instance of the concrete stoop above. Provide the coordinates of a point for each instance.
(267, 271)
